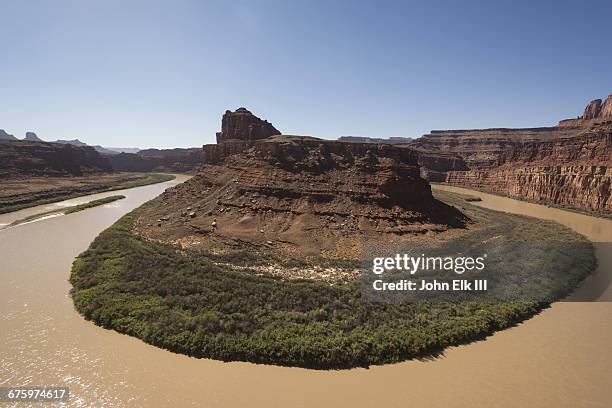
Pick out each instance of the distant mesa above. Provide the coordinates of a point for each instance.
(243, 125)
(98, 148)
(73, 142)
(178, 160)
(6, 136)
(32, 137)
(124, 149)
(104, 150)
(364, 139)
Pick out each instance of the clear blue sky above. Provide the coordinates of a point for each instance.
(161, 73)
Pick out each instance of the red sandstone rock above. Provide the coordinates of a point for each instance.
(243, 125)
(299, 194)
(311, 195)
(606, 108)
(578, 186)
(592, 110)
(572, 172)
(568, 165)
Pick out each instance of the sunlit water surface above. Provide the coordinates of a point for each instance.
(560, 358)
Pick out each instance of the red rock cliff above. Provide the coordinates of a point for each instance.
(567, 165)
(573, 172)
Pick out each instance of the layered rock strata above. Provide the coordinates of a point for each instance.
(298, 195)
(573, 172)
(598, 110)
(566, 165)
(30, 158)
(482, 148)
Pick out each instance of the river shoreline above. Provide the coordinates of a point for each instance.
(180, 301)
(27, 192)
(558, 358)
(590, 213)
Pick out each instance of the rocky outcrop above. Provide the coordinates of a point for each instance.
(20, 157)
(243, 125)
(592, 110)
(32, 137)
(598, 110)
(6, 136)
(298, 195)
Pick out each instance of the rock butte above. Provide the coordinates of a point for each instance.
(31, 136)
(296, 194)
(567, 165)
(243, 125)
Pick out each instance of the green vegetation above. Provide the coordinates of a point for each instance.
(70, 210)
(144, 180)
(471, 199)
(94, 203)
(185, 303)
(34, 217)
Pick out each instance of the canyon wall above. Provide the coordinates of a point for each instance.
(567, 165)
(30, 158)
(159, 160)
(572, 172)
(481, 148)
(584, 187)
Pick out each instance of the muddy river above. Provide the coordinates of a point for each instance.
(560, 358)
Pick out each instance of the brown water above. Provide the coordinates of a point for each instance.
(560, 358)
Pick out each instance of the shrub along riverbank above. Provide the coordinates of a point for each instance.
(94, 203)
(185, 303)
(69, 210)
